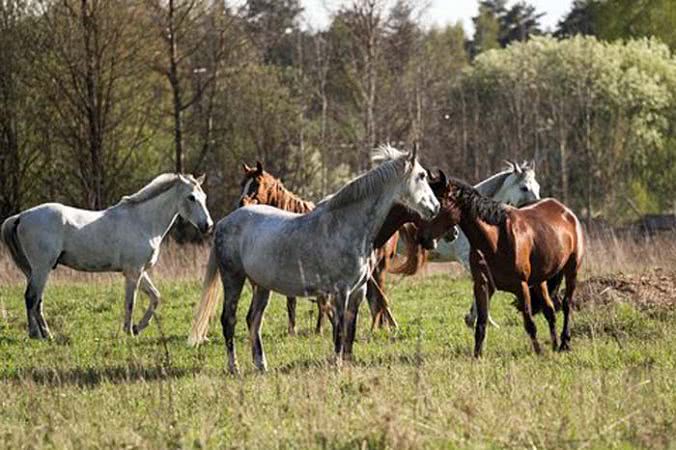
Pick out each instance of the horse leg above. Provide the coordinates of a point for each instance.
(550, 313)
(232, 288)
(291, 311)
(354, 301)
(482, 293)
(341, 298)
(372, 300)
(320, 314)
(254, 322)
(37, 326)
(528, 322)
(470, 317)
(131, 281)
(153, 294)
(571, 281)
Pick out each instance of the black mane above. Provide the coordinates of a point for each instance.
(472, 203)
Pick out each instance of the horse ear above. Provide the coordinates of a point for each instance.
(516, 166)
(201, 179)
(442, 177)
(414, 152)
(246, 168)
(259, 167)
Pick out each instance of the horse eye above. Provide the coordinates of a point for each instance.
(524, 189)
(192, 198)
(422, 175)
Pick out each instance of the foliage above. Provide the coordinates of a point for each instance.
(98, 97)
(589, 110)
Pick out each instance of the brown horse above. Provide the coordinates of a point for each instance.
(259, 187)
(513, 249)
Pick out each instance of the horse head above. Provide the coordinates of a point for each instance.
(520, 187)
(255, 185)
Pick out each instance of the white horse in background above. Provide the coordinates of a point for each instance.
(516, 186)
(324, 252)
(123, 238)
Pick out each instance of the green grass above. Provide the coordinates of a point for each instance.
(94, 387)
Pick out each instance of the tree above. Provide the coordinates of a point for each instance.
(272, 25)
(487, 26)
(623, 19)
(89, 58)
(17, 155)
(519, 23)
(581, 19)
(497, 26)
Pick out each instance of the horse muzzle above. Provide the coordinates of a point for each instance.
(207, 228)
(428, 243)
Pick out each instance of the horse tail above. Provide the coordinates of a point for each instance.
(11, 240)
(415, 257)
(204, 311)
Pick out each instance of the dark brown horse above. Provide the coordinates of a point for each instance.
(515, 250)
(259, 187)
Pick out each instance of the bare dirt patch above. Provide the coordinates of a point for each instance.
(650, 290)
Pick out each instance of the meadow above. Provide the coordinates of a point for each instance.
(418, 386)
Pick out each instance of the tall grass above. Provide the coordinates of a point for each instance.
(607, 252)
(176, 262)
(610, 252)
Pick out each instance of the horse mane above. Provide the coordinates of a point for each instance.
(476, 205)
(285, 199)
(393, 165)
(157, 186)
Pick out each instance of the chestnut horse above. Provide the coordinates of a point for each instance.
(513, 249)
(260, 187)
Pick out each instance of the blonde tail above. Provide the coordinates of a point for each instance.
(204, 311)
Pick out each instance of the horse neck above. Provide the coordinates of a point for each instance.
(159, 213)
(477, 232)
(366, 216)
(396, 218)
(490, 186)
(284, 199)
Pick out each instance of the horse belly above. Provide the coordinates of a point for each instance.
(547, 259)
(291, 278)
(91, 247)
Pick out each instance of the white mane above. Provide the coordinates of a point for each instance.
(393, 164)
(158, 185)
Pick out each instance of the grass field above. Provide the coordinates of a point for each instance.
(94, 387)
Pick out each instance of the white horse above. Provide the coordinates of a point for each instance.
(515, 186)
(123, 238)
(323, 252)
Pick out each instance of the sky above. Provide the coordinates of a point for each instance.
(441, 12)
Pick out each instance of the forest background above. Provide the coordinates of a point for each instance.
(99, 96)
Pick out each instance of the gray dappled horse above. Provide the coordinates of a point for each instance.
(123, 238)
(323, 252)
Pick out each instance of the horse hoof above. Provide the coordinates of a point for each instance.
(469, 321)
(564, 347)
(134, 330)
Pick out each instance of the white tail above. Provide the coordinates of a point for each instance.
(204, 311)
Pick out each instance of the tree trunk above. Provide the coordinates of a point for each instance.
(175, 88)
(94, 138)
